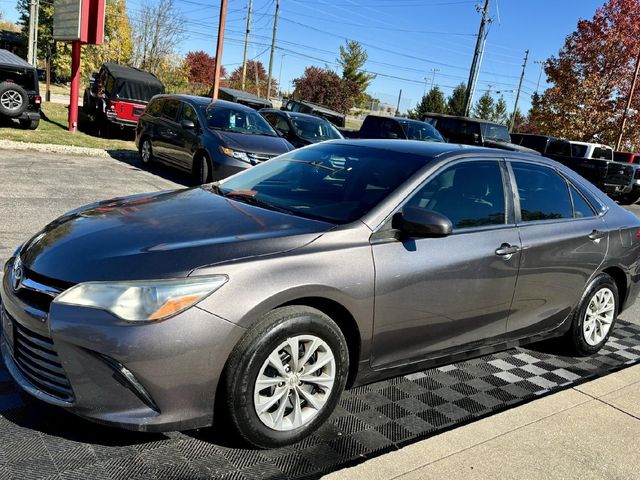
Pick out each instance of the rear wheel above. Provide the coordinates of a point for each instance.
(30, 124)
(630, 198)
(286, 376)
(595, 317)
(146, 152)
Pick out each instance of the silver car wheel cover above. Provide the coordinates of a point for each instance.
(11, 100)
(599, 316)
(291, 389)
(146, 151)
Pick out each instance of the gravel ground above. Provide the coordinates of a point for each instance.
(37, 187)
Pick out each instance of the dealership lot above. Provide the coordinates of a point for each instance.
(38, 441)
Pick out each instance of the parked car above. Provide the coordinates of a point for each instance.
(117, 95)
(375, 126)
(244, 98)
(19, 90)
(300, 129)
(474, 131)
(611, 177)
(302, 106)
(626, 157)
(257, 295)
(211, 140)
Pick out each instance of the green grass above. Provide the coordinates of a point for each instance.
(57, 89)
(53, 129)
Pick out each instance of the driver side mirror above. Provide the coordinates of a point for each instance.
(188, 124)
(417, 222)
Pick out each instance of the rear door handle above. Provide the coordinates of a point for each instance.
(506, 250)
(596, 235)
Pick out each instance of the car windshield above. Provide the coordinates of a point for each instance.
(315, 129)
(236, 120)
(421, 131)
(331, 182)
(578, 150)
(495, 132)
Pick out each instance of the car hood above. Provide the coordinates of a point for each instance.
(254, 143)
(161, 235)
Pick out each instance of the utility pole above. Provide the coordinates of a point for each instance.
(216, 73)
(476, 54)
(515, 105)
(398, 106)
(273, 48)
(246, 46)
(541, 63)
(625, 114)
(280, 76)
(35, 33)
(32, 30)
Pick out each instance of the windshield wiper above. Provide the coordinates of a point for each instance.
(250, 198)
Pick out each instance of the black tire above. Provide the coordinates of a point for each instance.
(247, 361)
(30, 124)
(202, 169)
(629, 198)
(14, 100)
(146, 160)
(576, 337)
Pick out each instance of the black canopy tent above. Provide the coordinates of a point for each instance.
(127, 83)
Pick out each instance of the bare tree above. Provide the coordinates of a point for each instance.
(157, 34)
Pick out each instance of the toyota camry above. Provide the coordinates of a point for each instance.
(258, 299)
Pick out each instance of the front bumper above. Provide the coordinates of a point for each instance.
(177, 363)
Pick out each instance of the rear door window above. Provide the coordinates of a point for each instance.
(544, 194)
(581, 208)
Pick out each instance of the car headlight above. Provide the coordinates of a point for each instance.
(143, 300)
(238, 155)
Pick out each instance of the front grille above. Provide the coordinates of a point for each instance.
(38, 361)
(38, 291)
(259, 157)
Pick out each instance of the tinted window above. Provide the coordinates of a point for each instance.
(154, 108)
(559, 147)
(421, 131)
(188, 113)
(581, 207)
(623, 157)
(314, 129)
(237, 120)
(331, 182)
(544, 195)
(459, 131)
(492, 131)
(469, 194)
(578, 150)
(604, 153)
(170, 109)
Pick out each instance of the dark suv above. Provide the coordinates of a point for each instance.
(210, 139)
(300, 129)
(19, 92)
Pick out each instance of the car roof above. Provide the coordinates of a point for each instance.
(467, 119)
(575, 142)
(431, 149)
(196, 100)
(9, 59)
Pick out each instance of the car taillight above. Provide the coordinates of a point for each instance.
(37, 99)
(112, 107)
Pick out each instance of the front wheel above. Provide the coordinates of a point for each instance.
(146, 152)
(595, 317)
(286, 376)
(202, 168)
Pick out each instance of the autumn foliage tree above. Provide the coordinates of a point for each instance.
(201, 67)
(325, 87)
(591, 77)
(256, 79)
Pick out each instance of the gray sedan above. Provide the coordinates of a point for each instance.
(260, 298)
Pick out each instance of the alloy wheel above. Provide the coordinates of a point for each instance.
(145, 151)
(599, 316)
(294, 382)
(11, 100)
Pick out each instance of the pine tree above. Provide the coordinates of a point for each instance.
(352, 58)
(455, 103)
(432, 102)
(500, 112)
(485, 107)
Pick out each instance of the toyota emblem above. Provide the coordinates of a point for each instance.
(18, 273)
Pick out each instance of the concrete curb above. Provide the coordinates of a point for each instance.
(64, 149)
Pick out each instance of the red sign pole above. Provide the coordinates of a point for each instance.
(75, 85)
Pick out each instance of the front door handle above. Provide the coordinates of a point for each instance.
(596, 235)
(506, 250)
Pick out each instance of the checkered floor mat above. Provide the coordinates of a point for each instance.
(39, 441)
